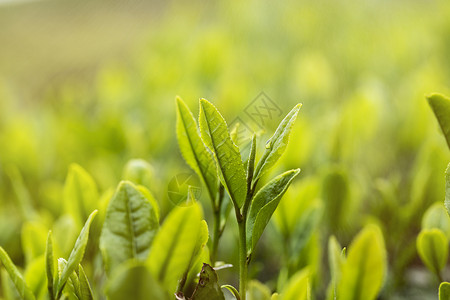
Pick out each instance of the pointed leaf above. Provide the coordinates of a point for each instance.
(336, 261)
(364, 270)
(251, 163)
(276, 145)
(174, 245)
(432, 245)
(194, 152)
(21, 286)
(85, 288)
(50, 265)
(264, 204)
(130, 225)
(441, 108)
(208, 287)
(298, 287)
(230, 168)
(76, 255)
(444, 291)
(80, 194)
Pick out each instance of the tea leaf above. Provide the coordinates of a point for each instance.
(336, 260)
(35, 277)
(207, 287)
(364, 269)
(130, 225)
(444, 291)
(276, 145)
(251, 163)
(214, 132)
(80, 194)
(19, 283)
(50, 265)
(85, 288)
(133, 280)
(440, 105)
(76, 256)
(33, 240)
(436, 217)
(264, 204)
(198, 157)
(174, 245)
(258, 291)
(298, 287)
(432, 245)
(447, 189)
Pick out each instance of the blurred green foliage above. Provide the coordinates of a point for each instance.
(368, 145)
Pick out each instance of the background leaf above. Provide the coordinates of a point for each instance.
(364, 270)
(298, 287)
(441, 108)
(214, 132)
(432, 245)
(130, 225)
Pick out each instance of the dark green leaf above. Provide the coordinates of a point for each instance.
(441, 108)
(276, 145)
(264, 204)
(76, 255)
(444, 291)
(21, 286)
(208, 287)
(130, 225)
(230, 168)
(196, 154)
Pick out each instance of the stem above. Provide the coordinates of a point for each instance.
(243, 261)
(217, 232)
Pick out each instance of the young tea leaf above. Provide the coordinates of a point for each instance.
(131, 223)
(444, 291)
(432, 245)
(364, 269)
(441, 108)
(336, 260)
(276, 145)
(198, 157)
(174, 245)
(133, 280)
(35, 277)
(85, 288)
(214, 133)
(298, 287)
(21, 286)
(76, 255)
(436, 217)
(50, 265)
(447, 189)
(264, 204)
(208, 287)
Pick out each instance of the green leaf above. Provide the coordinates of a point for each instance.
(336, 260)
(447, 189)
(133, 280)
(432, 245)
(194, 152)
(35, 277)
(130, 225)
(232, 290)
(230, 168)
(336, 195)
(76, 255)
(258, 291)
(50, 265)
(276, 145)
(298, 287)
(264, 204)
(365, 267)
(436, 217)
(440, 105)
(85, 288)
(80, 194)
(208, 287)
(19, 283)
(139, 172)
(444, 291)
(174, 245)
(251, 163)
(69, 289)
(33, 240)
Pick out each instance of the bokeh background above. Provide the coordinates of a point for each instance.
(94, 83)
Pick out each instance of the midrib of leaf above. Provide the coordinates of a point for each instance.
(162, 272)
(197, 160)
(218, 160)
(131, 226)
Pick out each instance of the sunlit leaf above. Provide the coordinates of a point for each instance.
(76, 255)
(130, 225)
(436, 217)
(447, 189)
(50, 265)
(35, 276)
(298, 287)
(258, 291)
(33, 240)
(276, 145)
(194, 151)
(174, 245)
(264, 204)
(441, 108)
(365, 267)
(19, 283)
(432, 245)
(214, 133)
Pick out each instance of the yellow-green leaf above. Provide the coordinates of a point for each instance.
(441, 108)
(215, 135)
(365, 267)
(298, 287)
(432, 245)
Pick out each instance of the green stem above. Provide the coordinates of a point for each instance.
(243, 261)
(217, 231)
